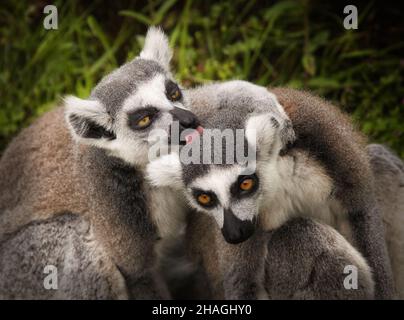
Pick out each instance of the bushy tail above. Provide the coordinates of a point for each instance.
(388, 170)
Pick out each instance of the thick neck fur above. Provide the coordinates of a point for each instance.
(324, 173)
(112, 181)
(328, 137)
(125, 187)
(297, 185)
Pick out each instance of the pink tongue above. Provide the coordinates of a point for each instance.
(190, 137)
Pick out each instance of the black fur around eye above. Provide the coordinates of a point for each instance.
(142, 118)
(245, 186)
(201, 196)
(173, 91)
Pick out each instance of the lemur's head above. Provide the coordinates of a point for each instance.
(127, 106)
(230, 190)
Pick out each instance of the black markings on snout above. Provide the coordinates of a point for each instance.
(235, 230)
(186, 118)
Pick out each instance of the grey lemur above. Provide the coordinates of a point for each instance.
(302, 259)
(87, 159)
(305, 259)
(324, 173)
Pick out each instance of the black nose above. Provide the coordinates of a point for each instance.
(235, 230)
(186, 118)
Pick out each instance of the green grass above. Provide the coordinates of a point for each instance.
(301, 44)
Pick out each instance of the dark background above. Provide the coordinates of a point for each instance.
(301, 44)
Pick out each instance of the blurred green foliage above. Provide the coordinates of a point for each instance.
(300, 44)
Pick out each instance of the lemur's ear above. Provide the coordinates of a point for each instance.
(287, 133)
(165, 171)
(88, 120)
(156, 47)
(269, 133)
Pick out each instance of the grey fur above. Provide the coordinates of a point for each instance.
(328, 147)
(306, 260)
(45, 172)
(388, 171)
(84, 271)
(120, 84)
(303, 259)
(326, 134)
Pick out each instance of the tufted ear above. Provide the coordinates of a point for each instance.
(165, 171)
(88, 121)
(156, 47)
(287, 133)
(269, 133)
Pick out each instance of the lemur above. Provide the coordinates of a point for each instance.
(302, 259)
(324, 173)
(305, 259)
(88, 158)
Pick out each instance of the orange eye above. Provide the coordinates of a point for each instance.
(246, 184)
(175, 95)
(204, 199)
(144, 121)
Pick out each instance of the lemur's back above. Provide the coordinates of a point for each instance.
(37, 174)
(67, 243)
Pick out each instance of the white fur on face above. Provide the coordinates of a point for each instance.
(133, 146)
(130, 146)
(219, 181)
(149, 93)
(127, 145)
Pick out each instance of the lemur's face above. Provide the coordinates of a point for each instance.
(230, 196)
(130, 109)
(230, 191)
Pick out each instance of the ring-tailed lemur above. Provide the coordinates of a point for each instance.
(88, 159)
(303, 259)
(324, 173)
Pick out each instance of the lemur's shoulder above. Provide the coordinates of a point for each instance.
(36, 173)
(328, 134)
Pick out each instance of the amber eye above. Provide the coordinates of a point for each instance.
(145, 121)
(247, 184)
(175, 95)
(204, 199)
